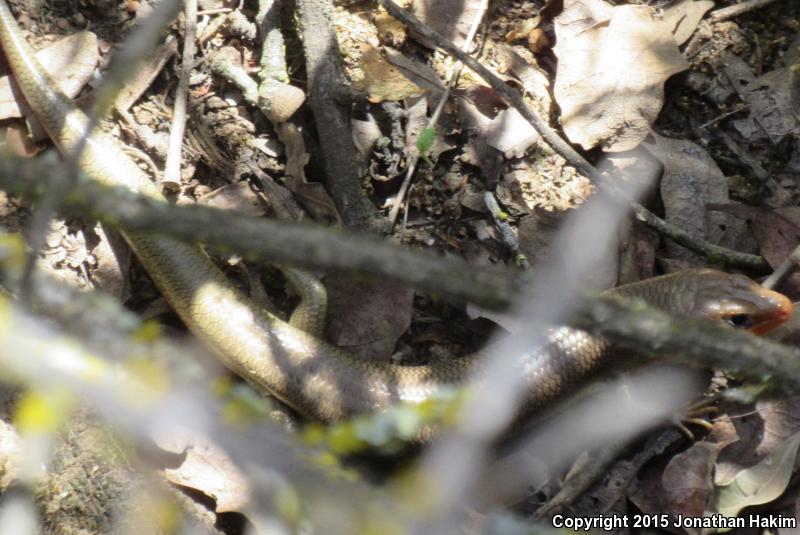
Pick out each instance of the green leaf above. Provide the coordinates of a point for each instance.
(425, 140)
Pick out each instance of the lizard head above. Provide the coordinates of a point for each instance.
(737, 301)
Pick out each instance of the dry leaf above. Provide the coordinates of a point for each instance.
(523, 28)
(612, 65)
(70, 60)
(238, 197)
(381, 80)
(113, 256)
(367, 318)
(476, 123)
(777, 233)
(647, 491)
(674, 484)
(692, 180)
(208, 469)
(312, 195)
(748, 427)
(683, 17)
(511, 134)
(688, 479)
(769, 100)
(759, 434)
(761, 483)
(450, 18)
(365, 135)
(533, 78)
(781, 421)
(417, 72)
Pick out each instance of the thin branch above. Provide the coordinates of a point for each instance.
(212, 29)
(735, 10)
(172, 168)
(258, 239)
(646, 330)
(507, 234)
(328, 94)
(630, 324)
(712, 253)
(455, 72)
(786, 268)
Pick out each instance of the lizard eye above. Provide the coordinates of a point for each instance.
(739, 320)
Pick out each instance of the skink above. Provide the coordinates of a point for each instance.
(315, 378)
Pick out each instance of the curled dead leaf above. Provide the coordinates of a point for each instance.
(612, 65)
(206, 468)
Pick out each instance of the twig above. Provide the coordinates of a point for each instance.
(455, 72)
(646, 330)
(630, 324)
(217, 11)
(212, 29)
(789, 265)
(274, 241)
(713, 253)
(222, 64)
(509, 238)
(172, 169)
(580, 481)
(133, 408)
(735, 10)
(331, 104)
(273, 54)
(723, 116)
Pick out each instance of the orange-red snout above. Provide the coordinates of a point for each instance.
(779, 312)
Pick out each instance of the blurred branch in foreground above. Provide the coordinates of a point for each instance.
(39, 357)
(304, 245)
(130, 403)
(629, 324)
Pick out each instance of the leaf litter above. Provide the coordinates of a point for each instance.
(612, 64)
